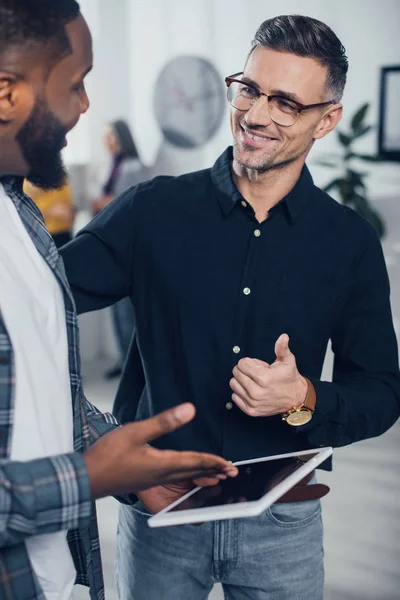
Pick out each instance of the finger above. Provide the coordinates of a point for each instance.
(165, 422)
(242, 405)
(253, 368)
(184, 465)
(239, 389)
(209, 481)
(261, 363)
(282, 350)
(206, 481)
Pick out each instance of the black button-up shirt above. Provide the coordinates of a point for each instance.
(211, 285)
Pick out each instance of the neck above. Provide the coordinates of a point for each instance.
(11, 161)
(263, 190)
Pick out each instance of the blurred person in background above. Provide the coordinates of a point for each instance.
(222, 266)
(58, 210)
(58, 453)
(126, 170)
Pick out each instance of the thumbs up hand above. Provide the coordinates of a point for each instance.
(262, 390)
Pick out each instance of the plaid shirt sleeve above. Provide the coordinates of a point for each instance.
(98, 423)
(43, 496)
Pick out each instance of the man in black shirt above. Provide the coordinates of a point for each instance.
(224, 267)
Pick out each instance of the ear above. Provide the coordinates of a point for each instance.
(329, 121)
(15, 97)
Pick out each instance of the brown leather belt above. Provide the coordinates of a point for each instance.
(302, 492)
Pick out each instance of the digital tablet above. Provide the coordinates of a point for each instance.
(260, 483)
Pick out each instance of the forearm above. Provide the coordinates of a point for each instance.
(95, 280)
(100, 424)
(363, 399)
(98, 261)
(43, 496)
(349, 412)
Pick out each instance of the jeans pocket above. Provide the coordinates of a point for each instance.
(294, 514)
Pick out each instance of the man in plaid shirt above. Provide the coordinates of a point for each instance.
(51, 471)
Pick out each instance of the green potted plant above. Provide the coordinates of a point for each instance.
(350, 183)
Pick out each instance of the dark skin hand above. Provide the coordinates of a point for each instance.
(157, 498)
(122, 462)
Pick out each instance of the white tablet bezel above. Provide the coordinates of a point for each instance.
(242, 509)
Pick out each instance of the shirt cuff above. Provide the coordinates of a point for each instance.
(62, 491)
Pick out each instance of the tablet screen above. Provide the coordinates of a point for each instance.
(253, 481)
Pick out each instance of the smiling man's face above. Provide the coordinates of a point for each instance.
(260, 144)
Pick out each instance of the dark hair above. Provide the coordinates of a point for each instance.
(305, 36)
(124, 135)
(37, 21)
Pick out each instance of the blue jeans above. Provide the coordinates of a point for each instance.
(277, 556)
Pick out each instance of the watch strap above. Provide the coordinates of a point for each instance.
(308, 403)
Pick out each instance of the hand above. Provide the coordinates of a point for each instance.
(157, 498)
(263, 390)
(121, 461)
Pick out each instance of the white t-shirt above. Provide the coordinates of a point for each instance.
(32, 306)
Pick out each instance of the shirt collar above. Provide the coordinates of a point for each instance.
(228, 194)
(12, 183)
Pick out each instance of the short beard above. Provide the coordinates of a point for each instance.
(41, 140)
(269, 165)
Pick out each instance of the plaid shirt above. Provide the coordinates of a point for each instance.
(49, 494)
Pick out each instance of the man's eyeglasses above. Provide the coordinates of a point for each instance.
(282, 110)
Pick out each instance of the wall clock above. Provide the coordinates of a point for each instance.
(189, 101)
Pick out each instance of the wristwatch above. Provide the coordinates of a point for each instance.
(300, 415)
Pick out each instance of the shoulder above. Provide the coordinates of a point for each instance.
(152, 200)
(342, 220)
(179, 190)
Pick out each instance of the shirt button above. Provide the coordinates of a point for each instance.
(236, 349)
(257, 232)
(246, 291)
(243, 203)
(228, 405)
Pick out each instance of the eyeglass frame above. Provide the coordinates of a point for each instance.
(301, 107)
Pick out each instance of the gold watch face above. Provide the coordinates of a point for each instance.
(299, 417)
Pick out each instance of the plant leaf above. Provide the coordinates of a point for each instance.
(346, 190)
(344, 139)
(363, 208)
(355, 178)
(334, 183)
(376, 221)
(362, 131)
(325, 163)
(359, 117)
(360, 204)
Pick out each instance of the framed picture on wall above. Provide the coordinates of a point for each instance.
(389, 113)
